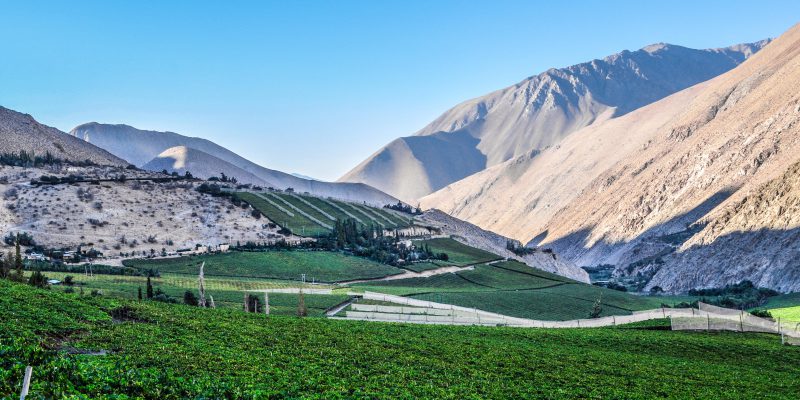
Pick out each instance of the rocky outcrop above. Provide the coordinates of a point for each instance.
(647, 191)
(755, 238)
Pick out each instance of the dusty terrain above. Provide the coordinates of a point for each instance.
(121, 217)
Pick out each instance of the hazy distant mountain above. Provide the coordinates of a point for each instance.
(21, 132)
(699, 189)
(537, 113)
(181, 159)
(140, 147)
(303, 176)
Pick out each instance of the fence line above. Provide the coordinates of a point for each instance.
(705, 318)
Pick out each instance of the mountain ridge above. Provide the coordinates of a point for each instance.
(648, 191)
(142, 147)
(541, 110)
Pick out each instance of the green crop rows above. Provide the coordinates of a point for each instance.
(299, 224)
(515, 289)
(321, 266)
(160, 351)
(458, 253)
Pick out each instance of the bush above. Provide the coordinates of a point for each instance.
(38, 279)
(189, 298)
(761, 313)
(25, 239)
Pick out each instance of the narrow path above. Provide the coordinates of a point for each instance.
(336, 206)
(301, 212)
(313, 207)
(422, 274)
(276, 205)
(339, 307)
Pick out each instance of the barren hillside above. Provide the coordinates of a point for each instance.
(20, 132)
(634, 190)
(116, 217)
(755, 238)
(537, 113)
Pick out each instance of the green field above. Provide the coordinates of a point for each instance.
(227, 292)
(301, 225)
(297, 223)
(425, 266)
(319, 266)
(160, 351)
(515, 289)
(787, 314)
(458, 253)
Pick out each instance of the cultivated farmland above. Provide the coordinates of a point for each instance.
(187, 352)
(312, 216)
(321, 266)
(458, 253)
(517, 290)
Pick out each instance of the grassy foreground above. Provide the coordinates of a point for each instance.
(155, 350)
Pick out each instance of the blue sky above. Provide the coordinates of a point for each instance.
(316, 87)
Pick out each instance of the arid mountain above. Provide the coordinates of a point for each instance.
(538, 113)
(755, 238)
(20, 132)
(141, 147)
(203, 165)
(519, 197)
(674, 191)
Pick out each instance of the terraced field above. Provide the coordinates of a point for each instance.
(284, 217)
(313, 216)
(321, 266)
(160, 351)
(458, 253)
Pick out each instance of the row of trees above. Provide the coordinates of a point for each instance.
(371, 242)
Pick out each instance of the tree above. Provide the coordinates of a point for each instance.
(656, 290)
(189, 298)
(149, 288)
(5, 269)
(302, 311)
(18, 259)
(597, 308)
(37, 279)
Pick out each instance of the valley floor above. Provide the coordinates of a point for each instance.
(155, 350)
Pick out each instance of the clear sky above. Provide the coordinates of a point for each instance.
(316, 87)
